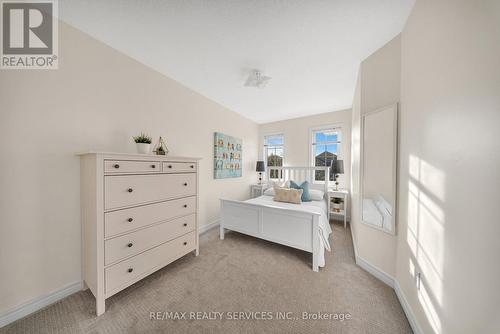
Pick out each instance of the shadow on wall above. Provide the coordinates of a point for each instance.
(425, 236)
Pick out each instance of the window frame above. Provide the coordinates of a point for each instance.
(264, 146)
(312, 143)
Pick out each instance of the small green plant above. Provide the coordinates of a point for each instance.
(143, 139)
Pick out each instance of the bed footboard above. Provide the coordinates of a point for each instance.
(293, 228)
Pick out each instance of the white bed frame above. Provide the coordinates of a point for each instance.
(293, 228)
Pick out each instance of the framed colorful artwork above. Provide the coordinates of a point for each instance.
(227, 156)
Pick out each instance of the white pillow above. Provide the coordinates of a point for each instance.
(384, 207)
(316, 195)
(281, 184)
(269, 192)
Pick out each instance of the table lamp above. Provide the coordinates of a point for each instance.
(260, 168)
(337, 168)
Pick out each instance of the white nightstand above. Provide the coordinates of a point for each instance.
(344, 195)
(257, 190)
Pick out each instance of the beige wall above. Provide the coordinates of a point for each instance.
(449, 190)
(297, 131)
(355, 162)
(378, 86)
(98, 99)
(449, 92)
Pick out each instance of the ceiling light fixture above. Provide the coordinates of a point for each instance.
(256, 79)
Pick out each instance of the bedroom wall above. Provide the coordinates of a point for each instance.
(450, 158)
(355, 161)
(97, 100)
(296, 133)
(378, 86)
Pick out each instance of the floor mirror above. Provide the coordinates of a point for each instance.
(379, 131)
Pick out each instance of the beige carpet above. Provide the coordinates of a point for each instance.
(239, 274)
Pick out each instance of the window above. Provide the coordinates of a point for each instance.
(274, 152)
(325, 146)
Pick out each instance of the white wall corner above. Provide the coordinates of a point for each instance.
(393, 283)
(354, 246)
(378, 273)
(39, 303)
(209, 226)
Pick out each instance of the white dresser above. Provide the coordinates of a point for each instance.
(139, 213)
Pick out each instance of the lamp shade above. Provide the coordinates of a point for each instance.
(260, 166)
(337, 166)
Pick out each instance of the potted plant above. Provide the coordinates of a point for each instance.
(143, 143)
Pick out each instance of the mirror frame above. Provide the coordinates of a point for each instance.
(395, 173)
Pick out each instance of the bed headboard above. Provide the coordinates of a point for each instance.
(299, 175)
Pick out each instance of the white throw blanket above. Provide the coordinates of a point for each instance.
(318, 207)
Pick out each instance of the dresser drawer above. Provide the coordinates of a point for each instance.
(122, 221)
(133, 243)
(175, 167)
(120, 167)
(127, 190)
(127, 272)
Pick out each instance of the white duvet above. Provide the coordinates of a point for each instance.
(311, 207)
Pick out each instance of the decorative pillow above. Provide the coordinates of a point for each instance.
(305, 190)
(316, 195)
(270, 191)
(287, 195)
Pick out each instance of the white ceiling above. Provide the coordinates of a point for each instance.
(311, 49)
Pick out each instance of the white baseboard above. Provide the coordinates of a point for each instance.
(393, 283)
(408, 311)
(39, 303)
(378, 273)
(48, 299)
(208, 227)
